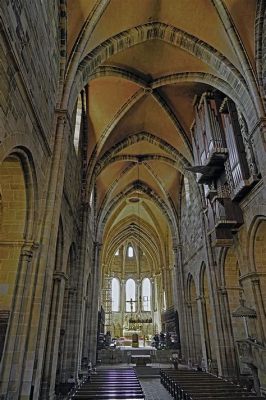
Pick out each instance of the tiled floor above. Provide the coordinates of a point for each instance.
(154, 390)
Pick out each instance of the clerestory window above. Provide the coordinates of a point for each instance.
(78, 124)
(130, 252)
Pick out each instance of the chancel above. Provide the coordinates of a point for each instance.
(132, 199)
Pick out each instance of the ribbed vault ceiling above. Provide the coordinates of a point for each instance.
(143, 61)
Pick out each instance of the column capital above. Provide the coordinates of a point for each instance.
(28, 248)
(222, 290)
(177, 247)
(255, 281)
(188, 304)
(201, 299)
(97, 244)
(59, 276)
(72, 290)
(253, 275)
(259, 125)
(63, 116)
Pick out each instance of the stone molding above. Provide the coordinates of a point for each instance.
(59, 276)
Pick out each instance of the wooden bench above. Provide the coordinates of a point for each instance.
(111, 384)
(196, 385)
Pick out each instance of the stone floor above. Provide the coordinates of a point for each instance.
(154, 390)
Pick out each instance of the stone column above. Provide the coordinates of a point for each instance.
(202, 313)
(122, 301)
(67, 369)
(191, 347)
(255, 281)
(85, 350)
(95, 302)
(229, 345)
(169, 283)
(258, 141)
(182, 307)
(19, 326)
(139, 299)
(46, 261)
(217, 333)
(152, 300)
(52, 346)
(81, 287)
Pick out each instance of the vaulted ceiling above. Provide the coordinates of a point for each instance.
(143, 62)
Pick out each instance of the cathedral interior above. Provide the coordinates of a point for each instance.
(132, 189)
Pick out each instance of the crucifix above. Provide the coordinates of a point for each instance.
(131, 302)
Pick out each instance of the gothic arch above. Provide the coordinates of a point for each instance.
(177, 78)
(236, 41)
(140, 186)
(136, 138)
(174, 36)
(260, 46)
(25, 160)
(253, 229)
(19, 210)
(77, 51)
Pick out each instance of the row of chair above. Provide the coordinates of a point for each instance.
(197, 385)
(111, 384)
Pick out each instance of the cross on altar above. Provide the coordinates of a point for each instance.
(131, 302)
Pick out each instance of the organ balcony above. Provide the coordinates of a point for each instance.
(209, 145)
(224, 217)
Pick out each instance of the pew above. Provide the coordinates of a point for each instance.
(110, 384)
(198, 385)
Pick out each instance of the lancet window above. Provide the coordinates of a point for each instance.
(130, 295)
(115, 294)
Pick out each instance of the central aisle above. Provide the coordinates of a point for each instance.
(151, 386)
(154, 390)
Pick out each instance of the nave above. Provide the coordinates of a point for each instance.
(132, 192)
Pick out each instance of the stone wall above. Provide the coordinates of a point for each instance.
(191, 232)
(32, 32)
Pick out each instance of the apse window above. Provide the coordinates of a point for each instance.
(78, 124)
(130, 252)
(130, 295)
(146, 294)
(115, 294)
(117, 252)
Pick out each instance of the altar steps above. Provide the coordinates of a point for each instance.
(147, 372)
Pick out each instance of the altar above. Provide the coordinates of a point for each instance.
(141, 359)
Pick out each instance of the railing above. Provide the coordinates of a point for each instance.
(252, 352)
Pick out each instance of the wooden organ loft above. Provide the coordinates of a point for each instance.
(224, 163)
